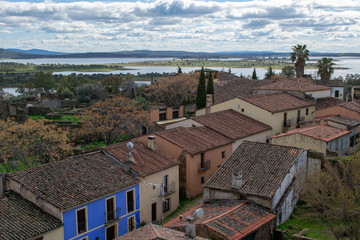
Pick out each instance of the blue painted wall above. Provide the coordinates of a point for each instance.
(96, 217)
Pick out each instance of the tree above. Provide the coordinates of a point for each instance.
(90, 92)
(334, 193)
(269, 73)
(299, 55)
(30, 144)
(179, 70)
(254, 76)
(210, 86)
(26, 89)
(110, 119)
(288, 71)
(325, 69)
(201, 91)
(112, 83)
(45, 81)
(174, 90)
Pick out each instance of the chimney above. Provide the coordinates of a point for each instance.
(236, 181)
(152, 143)
(131, 156)
(127, 166)
(209, 100)
(2, 182)
(190, 229)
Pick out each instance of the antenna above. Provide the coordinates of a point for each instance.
(199, 212)
(130, 145)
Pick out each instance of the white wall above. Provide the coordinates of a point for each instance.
(320, 94)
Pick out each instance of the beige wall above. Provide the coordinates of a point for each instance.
(336, 110)
(275, 120)
(301, 141)
(320, 94)
(149, 195)
(57, 234)
(186, 123)
(260, 137)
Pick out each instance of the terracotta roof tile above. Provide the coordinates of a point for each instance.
(321, 132)
(155, 232)
(350, 122)
(76, 180)
(327, 102)
(233, 219)
(278, 102)
(146, 160)
(353, 106)
(263, 167)
(195, 139)
(21, 219)
(294, 85)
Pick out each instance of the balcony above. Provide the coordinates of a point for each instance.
(356, 95)
(112, 216)
(203, 166)
(168, 189)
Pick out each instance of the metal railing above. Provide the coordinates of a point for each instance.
(167, 189)
(203, 166)
(112, 216)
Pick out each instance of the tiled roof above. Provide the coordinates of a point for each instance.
(233, 219)
(350, 122)
(278, 102)
(195, 140)
(353, 106)
(331, 83)
(230, 86)
(76, 180)
(327, 102)
(21, 219)
(263, 167)
(293, 84)
(147, 161)
(155, 232)
(321, 132)
(232, 124)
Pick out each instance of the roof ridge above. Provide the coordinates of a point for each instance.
(156, 232)
(231, 210)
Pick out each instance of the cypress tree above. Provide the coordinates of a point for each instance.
(201, 91)
(254, 76)
(210, 86)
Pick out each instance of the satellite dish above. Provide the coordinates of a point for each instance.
(199, 212)
(130, 145)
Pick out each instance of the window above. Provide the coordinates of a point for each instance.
(307, 111)
(131, 224)
(111, 232)
(130, 200)
(110, 209)
(337, 93)
(202, 160)
(298, 116)
(165, 182)
(285, 119)
(223, 154)
(242, 110)
(81, 220)
(202, 179)
(166, 205)
(162, 114)
(175, 112)
(144, 130)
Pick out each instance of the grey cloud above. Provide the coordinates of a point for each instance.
(256, 24)
(321, 24)
(276, 13)
(165, 21)
(176, 8)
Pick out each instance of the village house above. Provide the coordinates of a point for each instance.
(322, 138)
(156, 232)
(337, 88)
(158, 175)
(265, 174)
(90, 194)
(281, 111)
(299, 86)
(21, 219)
(228, 219)
(355, 93)
(200, 151)
(345, 109)
(231, 124)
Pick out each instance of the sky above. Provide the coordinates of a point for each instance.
(181, 25)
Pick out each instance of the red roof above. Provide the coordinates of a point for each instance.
(321, 132)
(294, 85)
(195, 140)
(278, 102)
(232, 219)
(232, 124)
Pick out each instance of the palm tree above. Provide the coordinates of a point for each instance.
(325, 69)
(299, 55)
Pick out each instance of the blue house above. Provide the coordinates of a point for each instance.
(93, 196)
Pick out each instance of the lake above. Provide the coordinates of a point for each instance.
(353, 63)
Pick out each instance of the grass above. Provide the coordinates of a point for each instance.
(300, 219)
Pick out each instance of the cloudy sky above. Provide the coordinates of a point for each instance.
(189, 25)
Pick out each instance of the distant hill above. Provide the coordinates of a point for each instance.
(38, 53)
(34, 51)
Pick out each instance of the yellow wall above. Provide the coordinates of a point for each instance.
(56, 234)
(149, 195)
(301, 141)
